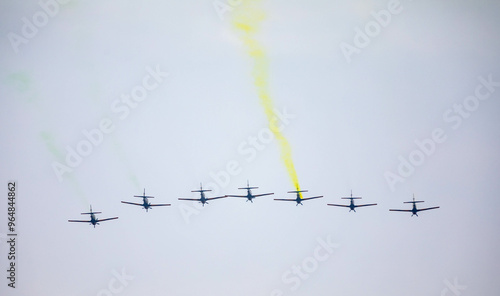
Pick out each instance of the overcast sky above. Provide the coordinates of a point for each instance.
(384, 98)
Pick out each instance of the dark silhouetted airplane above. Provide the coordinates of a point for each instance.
(352, 206)
(414, 209)
(93, 220)
(145, 203)
(204, 200)
(299, 198)
(249, 195)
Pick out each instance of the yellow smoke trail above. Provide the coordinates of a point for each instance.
(246, 20)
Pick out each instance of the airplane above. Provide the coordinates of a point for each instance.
(299, 198)
(93, 220)
(204, 200)
(249, 195)
(145, 203)
(414, 209)
(352, 206)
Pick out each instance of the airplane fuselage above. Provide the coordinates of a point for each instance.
(203, 199)
(414, 210)
(298, 199)
(250, 195)
(146, 204)
(352, 207)
(93, 220)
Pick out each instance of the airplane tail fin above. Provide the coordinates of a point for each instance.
(143, 195)
(351, 197)
(414, 201)
(90, 213)
(201, 189)
(248, 186)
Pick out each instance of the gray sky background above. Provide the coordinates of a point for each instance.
(351, 123)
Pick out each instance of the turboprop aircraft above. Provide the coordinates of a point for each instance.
(249, 195)
(352, 206)
(93, 220)
(145, 203)
(414, 209)
(299, 197)
(204, 200)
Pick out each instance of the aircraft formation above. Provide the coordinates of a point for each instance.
(249, 197)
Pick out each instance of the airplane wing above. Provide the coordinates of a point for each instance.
(160, 205)
(418, 210)
(211, 198)
(400, 210)
(285, 199)
(338, 205)
(131, 203)
(84, 221)
(307, 198)
(367, 205)
(194, 199)
(100, 220)
(264, 194)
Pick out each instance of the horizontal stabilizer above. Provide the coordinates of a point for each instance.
(297, 191)
(350, 197)
(248, 188)
(91, 213)
(415, 201)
